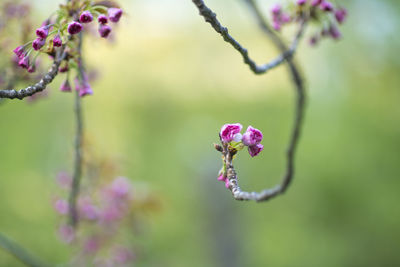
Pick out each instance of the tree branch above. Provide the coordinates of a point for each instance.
(42, 84)
(73, 213)
(19, 252)
(286, 54)
(211, 18)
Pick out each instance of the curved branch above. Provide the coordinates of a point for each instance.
(42, 84)
(286, 55)
(211, 18)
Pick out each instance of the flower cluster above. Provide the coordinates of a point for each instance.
(103, 212)
(58, 30)
(230, 135)
(324, 13)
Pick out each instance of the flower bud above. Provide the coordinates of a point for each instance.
(65, 86)
(229, 130)
(326, 6)
(102, 19)
(57, 42)
(252, 136)
(340, 15)
(114, 14)
(74, 27)
(24, 62)
(301, 2)
(19, 51)
(104, 30)
(255, 150)
(42, 32)
(38, 43)
(86, 17)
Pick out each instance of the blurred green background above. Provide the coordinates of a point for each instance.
(167, 85)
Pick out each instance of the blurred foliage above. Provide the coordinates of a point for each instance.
(166, 88)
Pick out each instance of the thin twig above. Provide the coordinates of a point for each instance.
(42, 84)
(211, 18)
(19, 252)
(286, 54)
(73, 212)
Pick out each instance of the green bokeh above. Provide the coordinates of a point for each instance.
(164, 91)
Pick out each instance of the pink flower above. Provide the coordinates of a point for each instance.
(104, 30)
(221, 178)
(38, 43)
(326, 6)
(66, 233)
(252, 136)
(255, 150)
(57, 42)
(340, 15)
(42, 32)
(301, 2)
(65, 86)
(123, 255)
(276, 9)
(334, 32)
(227, 183)
(61, 206)
(31, 69)
(114, 14)
(316, 2)
(74, 27)
(91, 245)
(19, 51)
(24, 62)
(121, 187)
(102, 19)
(87, 209)
(86, 17)
(83, 87)
(228, 132)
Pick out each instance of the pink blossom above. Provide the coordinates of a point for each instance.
(276, 9)
(87, 209)
(316, 2)
(86, 17)
(334, 32)
(301, 2)
(221, 178)
(24, 62)
(65, 86)
(38, 43)
(61, 206)
(228, 131)
(227, 183)
(92, 245)
(74, 27)
(326, 6)
(252, 136)
(120, 187)
(42, 32)
(104, 30)
(31, 69)
(102, 19)
(123, 255)
(57, 42)
(66, 233)
(114, 14)
(340, 15)
(255, 150)
(19, 51)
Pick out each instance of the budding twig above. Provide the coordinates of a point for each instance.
(211, 18)
(286, 55)
(42, 84)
